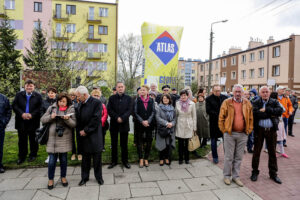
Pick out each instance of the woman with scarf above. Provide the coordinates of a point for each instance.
(165, 137)
(144, 111)
(186, 124)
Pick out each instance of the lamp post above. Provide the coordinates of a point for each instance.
(210, 52)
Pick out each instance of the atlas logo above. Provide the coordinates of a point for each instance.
(164, 47)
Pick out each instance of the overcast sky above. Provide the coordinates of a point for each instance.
(246, 18)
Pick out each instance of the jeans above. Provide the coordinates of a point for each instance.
(285, 121)
(214, 147)
(250, 141)
(63, 159)
(2, 136)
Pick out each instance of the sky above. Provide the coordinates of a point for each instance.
(258, 19)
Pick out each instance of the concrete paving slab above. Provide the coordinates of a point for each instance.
(72, 180)
(132, 177)
(199, 184)
(135, 168)
(41, 172)
(141, 198)
(157, 167)
(57, 192)
(201, 171)
(26, 172)
(216, 169)
(144, 189)
(118, 191)
(14, 184)
(175, 165)
(173, 187)
(250, 193)
(203, 195)
(40, 195)
(169, 197)
(231, 194)
(70, 170)
(83, 193)
(153, 176)
(39, 183)
(116, 169)
(201, 163)
(108, 179)
(177, 173)
(77, 171)
(18, 195)
(218, 181)
(11, 173)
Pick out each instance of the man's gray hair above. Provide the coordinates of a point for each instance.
(238, 86)
(82, 90)
(153, 84)
(263, 87)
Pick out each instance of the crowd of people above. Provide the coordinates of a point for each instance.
(244, 119)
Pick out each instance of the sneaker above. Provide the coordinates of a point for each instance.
(227, 181)
(73, 157)
(238, 182)
(79, 157)
(284, 155)
(47, 160)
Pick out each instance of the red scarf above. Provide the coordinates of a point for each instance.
(145, 101)
(63, 108)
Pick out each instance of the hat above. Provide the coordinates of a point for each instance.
(280, 88)
(114, 89)
(165, 86)
(152, 93)
(174, 89)
(137, 89)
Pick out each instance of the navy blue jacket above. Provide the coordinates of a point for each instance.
(5, 111)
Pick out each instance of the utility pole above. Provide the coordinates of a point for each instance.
(210, 53)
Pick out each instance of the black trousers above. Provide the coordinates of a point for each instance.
(271, 140)
(183, 149)
(23, 144)
(291, 123)
(114, 146)
(165, 154)
(86, 165)
(103, 138)
(144, 143)
(75, 132)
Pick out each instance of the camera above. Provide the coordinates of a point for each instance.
(60, 131)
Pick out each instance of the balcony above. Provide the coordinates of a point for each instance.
(60, 17)
(59, 36)
(93, 56)
(93, 19)
(92, 38)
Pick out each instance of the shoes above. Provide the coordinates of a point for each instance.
(79, 157)
(276, 179)
(64, 182)
(82, 182)
(73, 157)
(112, 165)
(215, 160)
(180, 162)
(161, 163)
(187, 162)
(20, 161)
(126, 165)
(167, 163)
(238, 182)
(31, 159)
(141, 163)
(146, 163)
(292, 135)
(284, 155)
(254, 177)
(50, 186)
(100, 181)
(2, 170)
(285, 145)
(227, 181)
(47, 160)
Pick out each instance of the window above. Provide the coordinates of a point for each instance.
(224, 62)
(12, 24)
(71, 28)
(91, 13)
(71, 46)
(252, 73)
(193, 71)
(103, 30)
(58, 11)
(91, 31)
(224, 74)
(37, 25)
(261, 72)
(233, 61)
(10, 4)
(233, 75)
(201, 79)
(243, 74)
(58, 30)
(91, 68)
(71, 10)
(207, 67)
(101, 66)
(217, 77)
(102, 48)
(243, 58)
(252, 57)
(37, 7)
(103, 12)
(201, 68)
(261, 55)
(276, 70)
(276, 51)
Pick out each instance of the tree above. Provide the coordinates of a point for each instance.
(9, 59)
(130, 54)
(194, 87)
(38, 58)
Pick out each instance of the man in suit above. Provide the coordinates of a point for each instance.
(90, 129)
(119, 108)
(27, 106)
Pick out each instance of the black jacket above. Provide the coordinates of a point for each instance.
(19, 107)
(46, 103)
(142, 114)
(294, 101)
(119, 106)
(5, 111)
(273, 110)
(89, 119)
(213, 106)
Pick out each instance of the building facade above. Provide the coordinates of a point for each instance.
(187, 71)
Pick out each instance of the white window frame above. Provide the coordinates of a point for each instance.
(58, 30)
(217, 77)
(276, 72)
(251, 75)
(244, 74)
(233, 60)
(244, 58)
(104, 30)
(261, 55)
(102, 48)
(261, 72)
(103, 12)
(10, 4)
(233, 75)
(252, 57)
(276, 51)
(71, 28)
(224, 62)
(91, 13)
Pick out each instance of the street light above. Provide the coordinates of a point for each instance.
(210, 52)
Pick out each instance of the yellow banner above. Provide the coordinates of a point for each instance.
(161, 49)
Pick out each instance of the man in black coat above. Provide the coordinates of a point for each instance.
(5, 115)
(27, 106)
(266, 112)
(213, 105)
(90, 129)
(119, 108)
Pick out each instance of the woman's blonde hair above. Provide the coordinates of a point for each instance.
(72, 91)
(146, 86)
(96, 92)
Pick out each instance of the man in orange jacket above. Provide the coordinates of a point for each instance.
(288, 106)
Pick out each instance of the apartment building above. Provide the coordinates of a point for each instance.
(87, 29)
(203, 72)
(187, 71)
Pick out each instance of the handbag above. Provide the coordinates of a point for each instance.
(164, 131)
(42, 134)
(194, 142)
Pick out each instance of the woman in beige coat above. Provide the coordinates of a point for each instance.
(186, 124)
(61, 116)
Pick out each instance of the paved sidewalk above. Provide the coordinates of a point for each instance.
(199, 180)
